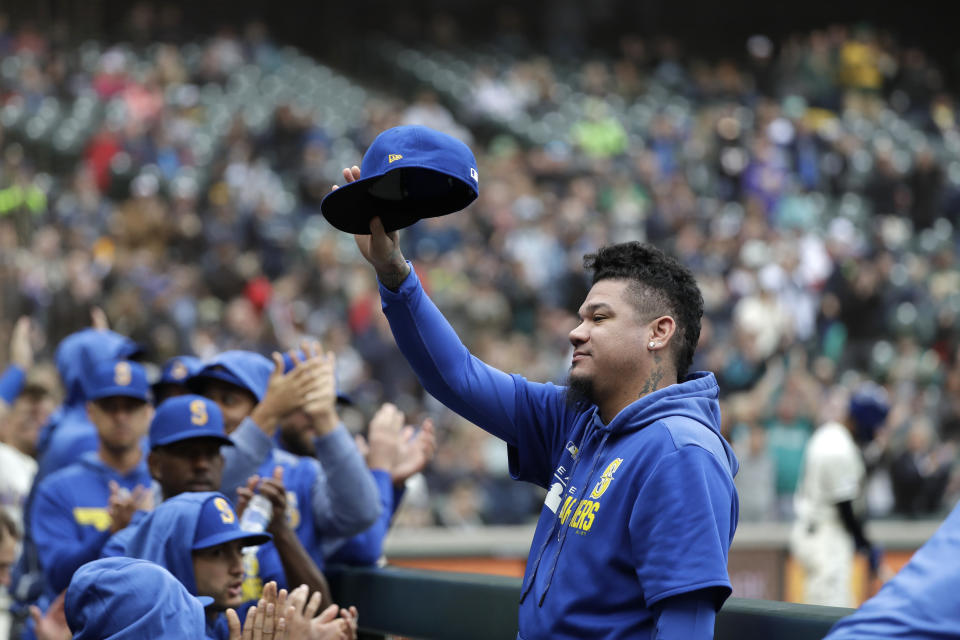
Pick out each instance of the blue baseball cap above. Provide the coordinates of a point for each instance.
(408, 173)
(127, 598)
(869, 406)
(112, 378)
(185, 417)
(248, 370)
(218, 523)
(178, 369)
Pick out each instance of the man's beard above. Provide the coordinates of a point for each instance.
(296, 444)
(580, 391)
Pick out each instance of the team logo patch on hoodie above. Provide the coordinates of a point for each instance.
(582, 512)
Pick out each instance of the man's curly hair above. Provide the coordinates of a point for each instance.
(660, 285)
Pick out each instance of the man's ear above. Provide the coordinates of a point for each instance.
(662, 331)
(153, 463)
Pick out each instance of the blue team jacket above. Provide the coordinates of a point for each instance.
(638, 510)
(69, 516)
(165, 536)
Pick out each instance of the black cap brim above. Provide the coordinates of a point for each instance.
(400, 197)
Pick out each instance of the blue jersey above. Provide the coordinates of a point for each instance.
(920, 602)
(638, 511)
(300, 477)
(69, 517)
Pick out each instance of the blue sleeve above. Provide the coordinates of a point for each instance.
(350, 503)
(365, 549)
(521, 413)
(61, 546)
(681, 526)
(11, 383)
(250, 449)
(687, 617)
(115, 546)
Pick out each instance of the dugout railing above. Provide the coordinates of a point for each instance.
(440, 605)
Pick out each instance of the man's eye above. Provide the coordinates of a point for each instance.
(599, 318)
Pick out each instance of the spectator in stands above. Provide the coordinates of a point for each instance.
(920, 474)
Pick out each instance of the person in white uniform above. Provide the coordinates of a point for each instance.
(828, 530)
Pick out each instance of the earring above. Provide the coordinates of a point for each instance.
(652, 344)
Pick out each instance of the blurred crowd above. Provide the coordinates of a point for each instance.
(813, 185)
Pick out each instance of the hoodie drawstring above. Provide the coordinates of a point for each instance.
(566, 525)
(529, 578)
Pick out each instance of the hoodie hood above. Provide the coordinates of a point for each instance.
(129, 599)
(78, 354)
(696, 398)
(245, 369)
(165, 536)
(195, 520)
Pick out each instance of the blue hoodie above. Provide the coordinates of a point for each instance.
(69, 433)
(70, 519)
(166, 536)
(317, 508)
(638, 511)
(920, 602)
(128, 599)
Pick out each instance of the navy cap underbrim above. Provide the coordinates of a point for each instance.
(190, 434)
(249, 539)
(118, 391)
(420, 193)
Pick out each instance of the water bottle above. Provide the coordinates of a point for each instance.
(257, 515)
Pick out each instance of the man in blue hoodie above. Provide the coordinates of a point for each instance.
(186, 438)
(75, 510)
(329, 496)
(196, 536)
(641, 507)
(71, 433)
(130, 599)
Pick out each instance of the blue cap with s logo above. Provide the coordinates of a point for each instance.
(186, 417)
(112, 378)
(408, 173)
(219, 523)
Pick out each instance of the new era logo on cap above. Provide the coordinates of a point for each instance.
(408, 173)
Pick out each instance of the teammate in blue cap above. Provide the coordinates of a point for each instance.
(71, 433)
(828, 530)
(252, 394)
(186, 437)
(131, 599)
(330, 496)
(76, 509)
(197, 537)
(641, 507)
(173, 378)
